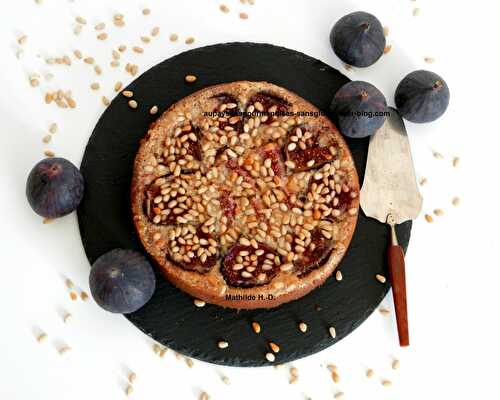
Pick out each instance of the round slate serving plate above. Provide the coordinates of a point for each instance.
(171, 317)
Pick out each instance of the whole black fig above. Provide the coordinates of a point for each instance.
(360, 108)
(358, 39)
(122, 281)
(54, 187)
(422, 96)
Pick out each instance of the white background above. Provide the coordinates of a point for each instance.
(452, 265)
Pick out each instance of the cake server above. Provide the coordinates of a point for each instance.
(390, 194)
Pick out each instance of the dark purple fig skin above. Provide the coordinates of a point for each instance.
(358, 39)
(122, 281)
(355, 104)
(54, 187)
(422, 96)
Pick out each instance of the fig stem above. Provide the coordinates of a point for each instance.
(365, 26)
(363, 95)
(54, 170)
(437, 85)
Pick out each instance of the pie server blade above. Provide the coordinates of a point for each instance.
(390, 185)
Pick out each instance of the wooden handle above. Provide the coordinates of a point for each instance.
(396, 259)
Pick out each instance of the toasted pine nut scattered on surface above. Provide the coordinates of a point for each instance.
(223, 344)
(204, 396)
(64, 349)
(332, 331)
(274, 347)
(42, 337)
(338, 275)
(199, 303)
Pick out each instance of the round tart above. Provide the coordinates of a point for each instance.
(245, 195)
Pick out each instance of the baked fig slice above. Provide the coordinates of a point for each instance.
(315, 253)
(246, 266)
(182, 151)
(309, 148)
(330, 194)
(192, 248)
(272, 160)
(228, 205)
(189, 137)
(228, 118)
(225, 100)
(270, 106)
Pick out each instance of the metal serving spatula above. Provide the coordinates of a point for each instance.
(390, 194)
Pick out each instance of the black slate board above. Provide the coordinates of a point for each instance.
(171, 317)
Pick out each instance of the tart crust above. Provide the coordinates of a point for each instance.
(152, 163)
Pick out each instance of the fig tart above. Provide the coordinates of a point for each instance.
(245, 195)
